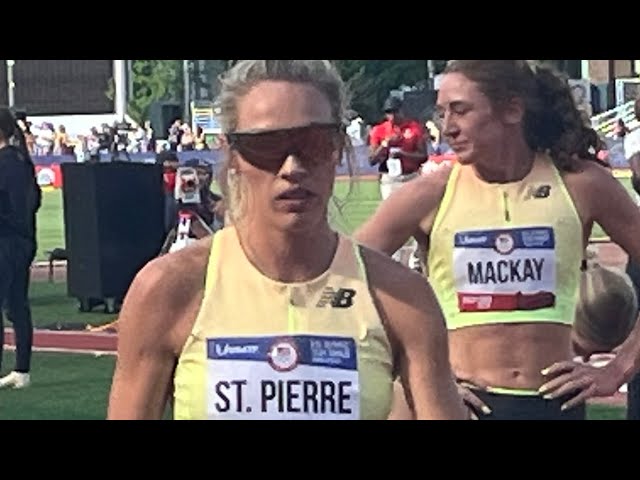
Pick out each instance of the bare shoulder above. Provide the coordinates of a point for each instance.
(164, 293)
(593, 187)
(588, 171)
(429, 187)
(434, 186)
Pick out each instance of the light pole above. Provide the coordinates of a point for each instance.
(120, 87)
(11, 86)
(430, 75)
(186, 81)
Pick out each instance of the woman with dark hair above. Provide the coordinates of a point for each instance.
(20, 199)
(505, 231)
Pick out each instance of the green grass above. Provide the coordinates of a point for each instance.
(602, 412)
(64, 387)
(50, 224)
(50, 305)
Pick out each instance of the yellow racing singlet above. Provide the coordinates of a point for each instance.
(506, 253)
(260, 349)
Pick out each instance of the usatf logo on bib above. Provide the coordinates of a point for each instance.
(505, 270)
(282, 378)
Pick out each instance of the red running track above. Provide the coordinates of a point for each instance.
(70, 341)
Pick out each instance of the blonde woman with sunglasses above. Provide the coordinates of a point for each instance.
(278, 316)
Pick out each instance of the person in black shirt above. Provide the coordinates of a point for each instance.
(20, 199)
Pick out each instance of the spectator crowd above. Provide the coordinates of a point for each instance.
(47, 139)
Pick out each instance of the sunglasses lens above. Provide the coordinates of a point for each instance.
(268, 150)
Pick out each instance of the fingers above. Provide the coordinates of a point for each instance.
(579, 399)
(472, 400)
(571, 386)
(555, 383)
(558, 368)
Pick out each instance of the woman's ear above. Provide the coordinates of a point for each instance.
(513, 111)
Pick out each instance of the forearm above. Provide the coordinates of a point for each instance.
(376, 155)
(626, 364)
(416, 156)
(140, 395)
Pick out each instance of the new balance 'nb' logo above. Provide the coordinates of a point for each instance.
(342, 298)
(543, 191)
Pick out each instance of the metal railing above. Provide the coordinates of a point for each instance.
(605, 123)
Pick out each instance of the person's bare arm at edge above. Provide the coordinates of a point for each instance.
(608, 204)
(153, 325)
(417, 332)
(409, 212)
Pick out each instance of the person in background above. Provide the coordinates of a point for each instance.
(620, 130)
(175, 135)
(62, 143)
(187, 140)
(607, 310)
(150, 137)
(170, 163)
(398, 146)
(200, 139)
(20, 199)
(45, 139)
(631, 143)
(29, 138)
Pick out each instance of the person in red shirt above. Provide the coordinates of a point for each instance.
(398, 146)
(170, 162)
(397, 138)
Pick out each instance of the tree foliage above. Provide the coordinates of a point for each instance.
(370, 81)
(153, 80)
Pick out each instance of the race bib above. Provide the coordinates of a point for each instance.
(505, 270)
(282, 378)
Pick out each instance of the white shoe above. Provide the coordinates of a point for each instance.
(15, 380)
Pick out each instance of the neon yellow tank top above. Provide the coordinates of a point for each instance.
(506, 253)
(260, 349)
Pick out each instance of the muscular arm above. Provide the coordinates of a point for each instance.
(408, 212)
(610, 205)
(417, 331)
(152, 331)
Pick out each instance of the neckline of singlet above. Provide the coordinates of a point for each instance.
(341, 245)
(538, 159)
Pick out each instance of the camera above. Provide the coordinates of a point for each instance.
(187, 186)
